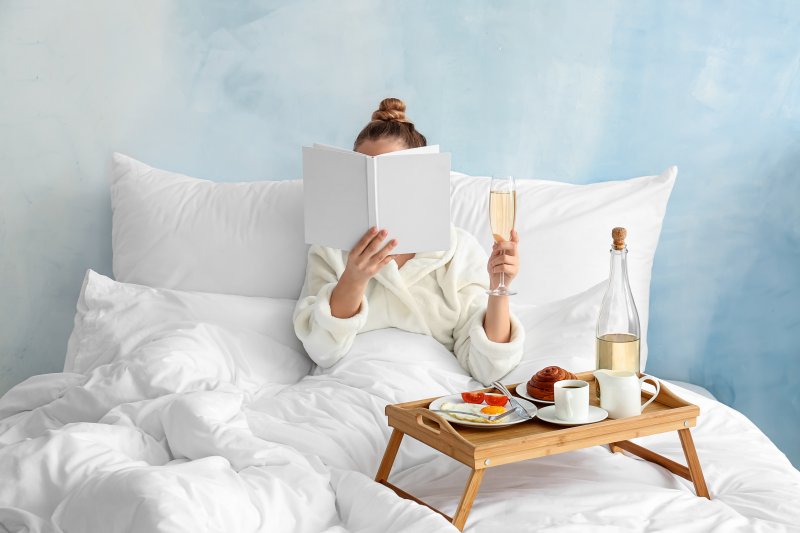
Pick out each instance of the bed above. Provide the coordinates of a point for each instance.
(187, 404)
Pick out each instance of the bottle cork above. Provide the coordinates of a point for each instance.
(618, 235)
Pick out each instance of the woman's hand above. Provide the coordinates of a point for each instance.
(504, 259)
(365, 260)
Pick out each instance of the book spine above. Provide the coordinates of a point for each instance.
(372, 191)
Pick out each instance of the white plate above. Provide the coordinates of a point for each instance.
(548, 414)
(510, 420)
(522, 390)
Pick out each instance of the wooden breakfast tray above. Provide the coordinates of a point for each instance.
(480, 449)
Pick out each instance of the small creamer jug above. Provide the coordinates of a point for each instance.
(622, 392)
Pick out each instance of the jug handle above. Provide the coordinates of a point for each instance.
(658, 388)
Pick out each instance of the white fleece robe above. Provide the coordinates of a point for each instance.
(442, 294)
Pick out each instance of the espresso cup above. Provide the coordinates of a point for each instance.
(571, 399)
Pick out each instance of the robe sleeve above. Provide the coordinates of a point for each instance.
(325, 337)
(486, 360)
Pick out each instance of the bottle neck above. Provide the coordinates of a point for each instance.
(618, 315)
(619, 267)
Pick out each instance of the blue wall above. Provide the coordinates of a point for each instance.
(576, 91)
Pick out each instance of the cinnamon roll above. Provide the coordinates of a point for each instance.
(541, 384)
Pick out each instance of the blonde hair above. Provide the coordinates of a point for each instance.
(389, 122)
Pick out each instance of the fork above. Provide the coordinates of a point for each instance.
(521, 411)
(490, 418)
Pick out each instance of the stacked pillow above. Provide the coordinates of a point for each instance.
(177, 232)
(565, 234)
(253, 337)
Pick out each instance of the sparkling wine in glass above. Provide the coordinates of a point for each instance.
(502, 215)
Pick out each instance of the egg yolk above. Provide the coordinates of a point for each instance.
(493, 410)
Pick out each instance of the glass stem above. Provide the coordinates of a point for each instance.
(502, 279)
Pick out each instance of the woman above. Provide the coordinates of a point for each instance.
(442, 294)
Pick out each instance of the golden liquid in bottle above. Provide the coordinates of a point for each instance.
(502, 213)
(617, 351)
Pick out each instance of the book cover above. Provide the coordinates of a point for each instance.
(406, 192)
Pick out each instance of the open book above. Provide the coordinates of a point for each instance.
(406, 192)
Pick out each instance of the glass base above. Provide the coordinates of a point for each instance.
(501, 291)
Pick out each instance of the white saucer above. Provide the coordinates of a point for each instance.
(522, 390)
(548, 414)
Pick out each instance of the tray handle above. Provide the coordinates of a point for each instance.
(433, 422)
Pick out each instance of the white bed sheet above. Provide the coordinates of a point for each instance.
(166, 437)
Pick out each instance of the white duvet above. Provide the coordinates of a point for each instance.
(196, 425)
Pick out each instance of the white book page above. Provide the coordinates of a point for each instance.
(332, 148)
(334, 197)
(414, 201)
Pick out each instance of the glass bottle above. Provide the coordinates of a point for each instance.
(617, 344)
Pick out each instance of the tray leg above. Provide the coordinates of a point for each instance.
(389, 456)
(465, 505)
(382, 476)
(693, 472)
(696, 473)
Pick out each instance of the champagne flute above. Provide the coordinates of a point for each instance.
(502, 215)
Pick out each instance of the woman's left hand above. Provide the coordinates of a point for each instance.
(504, 258)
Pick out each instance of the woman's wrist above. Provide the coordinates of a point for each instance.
(497, 320)
(351, 284)
(346, 297)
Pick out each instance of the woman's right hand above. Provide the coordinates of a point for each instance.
(367, 257)
(365, 260)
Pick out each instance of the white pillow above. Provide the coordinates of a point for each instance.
(184, 233)
(559, 333)
(565, 233)
(113, 319)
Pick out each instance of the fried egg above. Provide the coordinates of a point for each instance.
(480, 411)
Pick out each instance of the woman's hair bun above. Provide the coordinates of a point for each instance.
(391, 110)
(390, 122)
